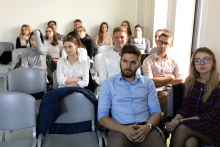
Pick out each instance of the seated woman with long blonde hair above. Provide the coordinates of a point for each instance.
(198, 120)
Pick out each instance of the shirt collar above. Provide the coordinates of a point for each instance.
(136, 78)
(156, 56)
(80, 60)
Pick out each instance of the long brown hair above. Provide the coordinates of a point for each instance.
(28, 28)
(55, 40)
(194, 74)
(129, 33)
(76, 36)
(100, 32)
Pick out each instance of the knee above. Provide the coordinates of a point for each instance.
(192, 142)
(181, 128)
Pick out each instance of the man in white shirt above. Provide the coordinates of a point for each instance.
(109, 62)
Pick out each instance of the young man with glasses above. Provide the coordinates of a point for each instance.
(163, 70)
(54, 25)
(157, 34)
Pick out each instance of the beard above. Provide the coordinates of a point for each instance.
(132, 73)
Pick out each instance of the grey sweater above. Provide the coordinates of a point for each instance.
(35, 57)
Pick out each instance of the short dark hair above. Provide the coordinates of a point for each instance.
(52, 21)
(77, 20)
(41, 37)
(131, 49)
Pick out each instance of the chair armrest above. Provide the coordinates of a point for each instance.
(35, 142)
(100, 138)
(161, 133)
(104, 136)
(39, 140)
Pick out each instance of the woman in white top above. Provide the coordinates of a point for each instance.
(71, 70)
(102, 38)
(53, 45)
(82, 53)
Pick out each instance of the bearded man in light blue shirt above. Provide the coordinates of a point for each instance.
(133, 103)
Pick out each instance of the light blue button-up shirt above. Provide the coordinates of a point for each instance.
(129, 102)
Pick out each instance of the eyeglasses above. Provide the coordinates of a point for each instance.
(161, 43)
(206, 60)
(49, 31)
(79, 31)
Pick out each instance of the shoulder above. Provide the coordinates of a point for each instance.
(109, 81)
(18, 38)
(109, 36)
(144, 79)
(60, 42)
(131, 39)
(62, 60)
(146, 40)
(109, 54)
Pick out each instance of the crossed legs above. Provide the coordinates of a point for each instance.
(185, 137)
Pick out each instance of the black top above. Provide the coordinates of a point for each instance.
(18, 44)
(88, 43)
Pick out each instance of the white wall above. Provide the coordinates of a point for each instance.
(210, 28)
(145, 17)
(36, 13)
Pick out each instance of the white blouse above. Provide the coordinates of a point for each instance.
(77, 70)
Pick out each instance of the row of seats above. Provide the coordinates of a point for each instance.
(17, 111)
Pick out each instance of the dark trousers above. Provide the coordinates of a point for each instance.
(118, 139)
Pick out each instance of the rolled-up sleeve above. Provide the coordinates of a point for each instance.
(105, 101)
(153, 102)
(85, 76)
(147, 70)
(61, 79)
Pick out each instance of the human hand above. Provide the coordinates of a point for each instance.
(55, 60)
(79, 79)
(127, 131)
(172, 77)
(170, 126)
(140, 133)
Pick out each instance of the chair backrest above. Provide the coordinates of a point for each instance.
(76, 108)
(55, 83)
(27, 80)
(17, 111)
(170, 103)
(5, 46)
(97, 62)
(15, 54)
(105, 48)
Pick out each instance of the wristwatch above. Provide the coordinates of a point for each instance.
(151, 126)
